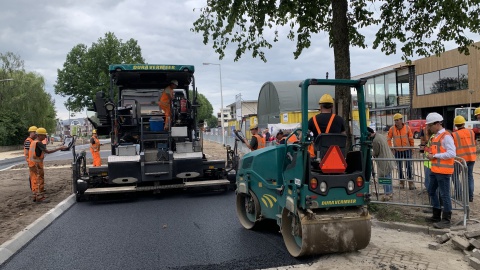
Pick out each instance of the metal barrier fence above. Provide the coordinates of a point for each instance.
(409, 168)
(408, 183)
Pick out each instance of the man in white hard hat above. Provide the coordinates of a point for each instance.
(165, 102)
(441, 153)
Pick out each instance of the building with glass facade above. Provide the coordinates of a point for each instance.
(432, 84)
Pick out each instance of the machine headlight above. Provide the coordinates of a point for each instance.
(351, 185)
(323, 187)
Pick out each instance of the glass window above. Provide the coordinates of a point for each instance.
(370, 93)
(420, 89)
(463, 77)
(380, 92)
(431, 82)
(449, 80)
(391, 89)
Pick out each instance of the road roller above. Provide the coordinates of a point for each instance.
(319, 201)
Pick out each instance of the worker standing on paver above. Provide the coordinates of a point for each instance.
(36, 154)
(165, 102)
(402, 136)
(26, 147)
(95, 149)
(442, 155)
(466, 147)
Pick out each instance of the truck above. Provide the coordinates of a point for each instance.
(471, 121)
(143, 155)
(319, 203)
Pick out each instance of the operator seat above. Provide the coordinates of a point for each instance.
(324, 141)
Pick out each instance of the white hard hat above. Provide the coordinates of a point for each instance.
(434, 117)
(174, 82)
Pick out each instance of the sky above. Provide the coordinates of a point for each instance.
(43, 32)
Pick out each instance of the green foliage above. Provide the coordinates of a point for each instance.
(212, 121)
(23, 101)
(85, 71)
(205, 110)
(421, 27)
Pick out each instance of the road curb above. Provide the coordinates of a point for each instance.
(19, 240)
(409, 227)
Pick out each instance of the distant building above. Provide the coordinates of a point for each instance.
(80, 127)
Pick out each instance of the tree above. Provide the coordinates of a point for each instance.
(85, 71)
(205, 109)
(422, 27)
(23, 101)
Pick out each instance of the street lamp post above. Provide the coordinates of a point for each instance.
(221, 100)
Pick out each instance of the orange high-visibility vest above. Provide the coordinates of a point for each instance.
(311, 149)
(401, 137)
(95, 147)
(26, 146)
(32, 156)
(441, 166)
(165, 99)
(260, 141)
(465, 142)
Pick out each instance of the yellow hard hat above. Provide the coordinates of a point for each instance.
(477, 111)
(397, 116)
(94, 131)
(326, 98)
(459, 120)
(41, 131)
(254, 127)
(32, 129)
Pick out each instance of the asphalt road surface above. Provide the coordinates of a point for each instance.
(178, 230)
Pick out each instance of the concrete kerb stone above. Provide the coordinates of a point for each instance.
(18, 241)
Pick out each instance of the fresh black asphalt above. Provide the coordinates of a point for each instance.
(173, 230)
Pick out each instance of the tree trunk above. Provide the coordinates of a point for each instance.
(341, 51)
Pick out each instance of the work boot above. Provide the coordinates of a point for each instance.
(436, 217)
(445, 223)
(42, 199)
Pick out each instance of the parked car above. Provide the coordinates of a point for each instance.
(416, 127)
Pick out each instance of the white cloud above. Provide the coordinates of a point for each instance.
(43, 32)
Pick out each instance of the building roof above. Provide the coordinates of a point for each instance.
(285, 96)
(381, 71)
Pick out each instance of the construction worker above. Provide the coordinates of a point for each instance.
(257, 141)
(466, 148)
(380, 149)
(95, 149)
(442, 154)
(165, 102)
(36, 154)
(402, 136)
(326, 121)
(477, 113)
(26, 146)
(281, 137)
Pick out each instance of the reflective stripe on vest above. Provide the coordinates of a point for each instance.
(427, 163)
(32, 156)
(465, 143)
(95, 147)
(441, 166)
(328, 126)
(400, 136)
(260, 141)
(26, 146)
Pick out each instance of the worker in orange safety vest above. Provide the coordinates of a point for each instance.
(402, 136)
(165, 102)
(36, 154)
(257, 141)
(326, 120)
(26, 146)
(95, 149)
(466, 146)
(442, 155)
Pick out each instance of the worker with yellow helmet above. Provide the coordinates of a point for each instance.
(477, 113)
(95, 149)
(36, 154)
(26, 146)
(326, 121)
(257, 141)
(400, 136)
(466, 148)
